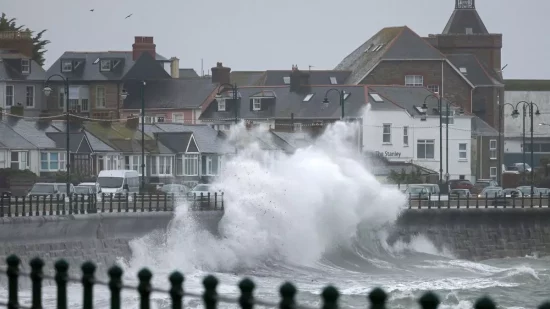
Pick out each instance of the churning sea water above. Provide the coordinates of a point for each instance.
(314, 218)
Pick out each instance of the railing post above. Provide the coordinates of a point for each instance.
(88, 280)
(83, 203)
(16, 212)
(484, 303)
(330, 297)
(36, 276)
(176, 290)
(158, 202)
(144, 287)
(210, 296)
(110, 202)
(30, 206)
(173, 197)
(135, 202)
(102, 202)
(119, 209)
(51, 207)
(115, 285)
(126, 201)
(61, 279)
(246, 300)
(150, 202)
(23, 209)
(222, 202)
(13, 277)
(377, 298)
(2, 205)
(287, 292)
(429, 301)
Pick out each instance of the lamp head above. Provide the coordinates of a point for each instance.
(47, 90)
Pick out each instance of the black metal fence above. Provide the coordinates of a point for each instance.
(421, 201)
(56, 205)
(210, 297)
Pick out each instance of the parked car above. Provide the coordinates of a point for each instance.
(511, 193)
(460, 193)
(494, 195)
(177, 189)
(526, 191)
(520, 167)
(482, 184)
(47, 189)
(83, 192)
(94, 186)
(544, 191)
(460, 184)
(417, 192)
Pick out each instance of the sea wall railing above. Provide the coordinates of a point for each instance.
(330, 296)
(421, 201)
(59, 204)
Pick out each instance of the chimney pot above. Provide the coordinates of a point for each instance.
(221, 74)
(143, 44)
(175, 67)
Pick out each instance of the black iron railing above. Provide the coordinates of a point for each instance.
(56, 205)
(421, 201)
(210, 297)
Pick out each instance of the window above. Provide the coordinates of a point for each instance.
(25, 66)
(297, 127)
(448, 115)
(433, 88)
(191, 165)
(105, 65)
(425, 149)
(463, 70)
(177, 118)
(61, 98)
(308, 97)
(160, 118)
(256, 104)
(386, 134)
(221, 105)
(286, 80)
(469, 31)
(10, 98)
(376, 97)
(414, 80)
(85, 106)
(462, 152)
(493, 173)
(406, 136)
(19, 160)
(100, 97)
(29, 97)
(161, 165)
(66, 66)
(179, 165)
(52, 161)
(73, 104)
(212, 165)
(133, 163)
(333, 80)
(493, 149)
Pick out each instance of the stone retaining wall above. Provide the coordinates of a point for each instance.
(478, 234)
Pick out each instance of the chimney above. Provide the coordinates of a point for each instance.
(20, 41)
(299, 81)
(221, 74)
(143, 44)
(175, 67)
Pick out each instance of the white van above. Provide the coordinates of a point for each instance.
(118, 181)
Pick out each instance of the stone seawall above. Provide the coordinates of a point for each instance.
(102, 238)
(478, 234)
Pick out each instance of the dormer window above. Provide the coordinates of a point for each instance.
(333, 80)
(286, 80)
(25, 66)
(66, 66)
(221, 105)
(308, 97)
(256, 104)
(105, 65)
(463, 70)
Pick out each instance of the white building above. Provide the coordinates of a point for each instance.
(396, 128)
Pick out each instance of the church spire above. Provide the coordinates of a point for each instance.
(465, 4)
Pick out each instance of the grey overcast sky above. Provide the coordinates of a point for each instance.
(274, 34)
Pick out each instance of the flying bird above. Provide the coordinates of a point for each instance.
(128, 16)
(91, 10)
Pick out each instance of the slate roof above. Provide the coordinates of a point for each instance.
(188, 73)
(476, 72)
(246, 78)
(175, 141)
(392, 43)
(316, 77)
(12, 140)
(96, 144)
(208, 140)
(117, 137)
(294, 140)
(169, 93)
(88, 71)
(402, 97)
(10, 68)
(482, 128)
(32, 132)
(462, 19)
(60, 139)
(280, 103)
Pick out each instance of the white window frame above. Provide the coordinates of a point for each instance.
(29, 98)
(100, 101)
(493, 172)
(221, 105)
(493, 154)
(103, 67)
(191, 165)
(87, 105)
(133, 162)
(386, 133)
(333, 80)
(66, 66)
(414, 80)
(286, 80)
(210, 165)
(433, 88)
(469, 30)
(256, 104)
(463, 153)
(167, 164)
(25, 66)
(22, 159)
(10, 98)
(61, 161)
(178, 117)
(425, 143)
(297, 127)
(405, 136)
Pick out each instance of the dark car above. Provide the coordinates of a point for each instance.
(482, 184)
(460, 184)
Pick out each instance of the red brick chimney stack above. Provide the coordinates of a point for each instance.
(143, 44)
(221, 74)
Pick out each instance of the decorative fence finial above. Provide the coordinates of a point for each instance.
(247, 298)
(330, 297)
(287, 292)
(210, 296)
(176, 291)
(377, 299)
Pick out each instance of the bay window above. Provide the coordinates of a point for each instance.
(133, 162)
(191, 165)
(211, 165)
(52, 161)
(161, 165)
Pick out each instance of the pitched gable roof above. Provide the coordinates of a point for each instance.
(410, 46)
(145, 68)
(175, 141)
(10, 68)
(465, 18)
(316, 77)
(246, 78)
(474, 70)
(78, 141)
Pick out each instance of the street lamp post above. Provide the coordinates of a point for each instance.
(47, 92)
(142, 94)
(342, 98)
(515, 114)
(235, 96)
(499, 146)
